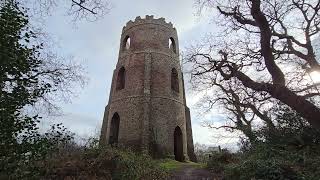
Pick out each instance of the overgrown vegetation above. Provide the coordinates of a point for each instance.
(24, 165)
(268, 161)
(100, 163)
(289, 151)
(64, 158)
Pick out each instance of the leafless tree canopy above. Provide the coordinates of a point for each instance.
(90, 10)
(66, 75)
(264, 55)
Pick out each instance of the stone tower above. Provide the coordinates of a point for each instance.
(147, 106)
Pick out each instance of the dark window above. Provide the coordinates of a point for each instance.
(121, 78)
(114, 129)
(174, 80)
(126, 43)
(172, 45)
(178, 144)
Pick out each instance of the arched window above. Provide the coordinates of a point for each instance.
(121, 78)
(126, 43)
(114, 129)
(174, 80)
(172, 45)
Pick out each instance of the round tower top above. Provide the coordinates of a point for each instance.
(149, 19)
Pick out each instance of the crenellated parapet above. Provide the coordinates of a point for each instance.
(147, 20)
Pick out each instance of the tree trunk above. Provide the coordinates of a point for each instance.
(305, 108)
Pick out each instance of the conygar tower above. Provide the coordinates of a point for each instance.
(147, 105)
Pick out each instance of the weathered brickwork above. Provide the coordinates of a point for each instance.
(150, 109)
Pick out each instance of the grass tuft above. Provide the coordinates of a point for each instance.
(172, 165)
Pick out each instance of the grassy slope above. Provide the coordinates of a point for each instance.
(171, 165)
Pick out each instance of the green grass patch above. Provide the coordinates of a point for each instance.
(171, 165)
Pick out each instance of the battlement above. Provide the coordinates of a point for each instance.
(146, 20)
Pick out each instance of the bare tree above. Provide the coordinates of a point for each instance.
(244, 108)
(267, 47)
(90, 10)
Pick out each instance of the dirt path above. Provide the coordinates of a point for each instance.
(188, 172)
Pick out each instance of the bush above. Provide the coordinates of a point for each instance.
(219, 160)
(61, 157)
(265, 161)
(287, 150)
(35, 149)
(105, 163)
(130, 165)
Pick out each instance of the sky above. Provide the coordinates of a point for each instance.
(96, 45)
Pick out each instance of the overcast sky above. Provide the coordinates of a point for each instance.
(96, 46)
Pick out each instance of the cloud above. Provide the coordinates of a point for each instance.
(82, 125)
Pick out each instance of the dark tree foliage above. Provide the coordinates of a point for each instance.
(290, 130)
(289, 151)
(26, 78)
(19, 85)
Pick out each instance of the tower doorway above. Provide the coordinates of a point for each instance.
(178, 144)
(114, 129)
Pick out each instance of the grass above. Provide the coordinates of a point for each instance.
(171, 165)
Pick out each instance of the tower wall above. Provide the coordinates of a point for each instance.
(167, 105)
(148, 106)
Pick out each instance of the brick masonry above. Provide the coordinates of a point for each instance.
(148, 107)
